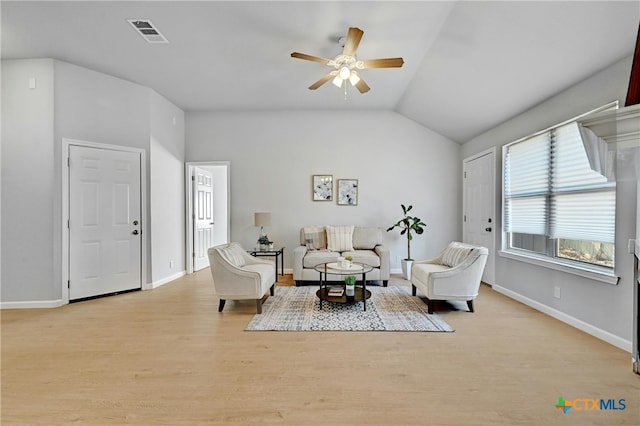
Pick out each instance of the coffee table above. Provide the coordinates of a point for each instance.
(334, 268)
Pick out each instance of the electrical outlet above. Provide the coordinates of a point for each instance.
(556, 292)
(171, 264)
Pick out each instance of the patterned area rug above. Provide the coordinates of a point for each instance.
(389, 309)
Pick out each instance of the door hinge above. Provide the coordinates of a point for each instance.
(193, 178)
(68, 284)
(68, 224)
(68, 161)
(465, 175)
(464, 218)
(193, 254)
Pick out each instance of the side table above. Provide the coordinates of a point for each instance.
(275, 252)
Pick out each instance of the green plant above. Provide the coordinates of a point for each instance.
(349, 258)
(264, 240)
(407, 225)
(350, 280)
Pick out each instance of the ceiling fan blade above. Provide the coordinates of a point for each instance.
(362, 86)
(323, 80)
(383, 63)
(310, 58)
(353, 41)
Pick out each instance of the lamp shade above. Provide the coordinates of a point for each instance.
(262, 219)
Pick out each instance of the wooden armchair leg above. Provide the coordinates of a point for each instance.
(413, 290)
(273, 287)
(385, 283)
(221, 305)
(430, 306)
(470, 305)
(259, 306)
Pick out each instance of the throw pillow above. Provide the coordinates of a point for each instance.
(340, 238)
(454, 255)
(233, 256)
(315, 237)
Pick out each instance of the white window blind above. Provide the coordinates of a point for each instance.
(550, 189)
(527, 168)
(584, 203)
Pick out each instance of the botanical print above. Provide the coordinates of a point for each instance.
(348, 192)
(322, 187)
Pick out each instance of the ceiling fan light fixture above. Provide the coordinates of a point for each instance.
(345, 72)
(353, 78)
(337, 81)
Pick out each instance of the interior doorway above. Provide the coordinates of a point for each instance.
(208, 210)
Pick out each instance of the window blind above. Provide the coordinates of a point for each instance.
(526, 185)
(550, 189)
(584, 203)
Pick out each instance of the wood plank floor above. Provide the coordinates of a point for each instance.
(167, 356)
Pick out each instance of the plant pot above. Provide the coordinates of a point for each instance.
(270, 246)
(406, 268)
(263, 246)
(350, 290)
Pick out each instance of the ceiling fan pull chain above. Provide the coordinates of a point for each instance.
(345, 91)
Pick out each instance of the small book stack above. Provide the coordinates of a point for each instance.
(335, 291)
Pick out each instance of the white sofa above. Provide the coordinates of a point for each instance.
(364, 246)
(455, 274)
(237, 275)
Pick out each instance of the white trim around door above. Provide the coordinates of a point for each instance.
(144, 226)
(220, 198)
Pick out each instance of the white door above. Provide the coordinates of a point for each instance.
(203, 215)
(104, 221)
(479, 207)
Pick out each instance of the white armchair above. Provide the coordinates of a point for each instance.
(238, 276)
(455, 274)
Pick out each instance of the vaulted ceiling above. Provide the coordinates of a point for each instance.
(469, 65)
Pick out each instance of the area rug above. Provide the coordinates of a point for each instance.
(389, 309)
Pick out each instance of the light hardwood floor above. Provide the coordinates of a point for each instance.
(167, 356)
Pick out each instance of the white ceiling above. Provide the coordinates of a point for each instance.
(468, 65)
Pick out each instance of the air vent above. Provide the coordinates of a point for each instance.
(147, 30)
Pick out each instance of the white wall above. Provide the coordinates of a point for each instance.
(27, 181)
(605, 310)
(76, 103)
(273, 156)
(167, 189)
(95, 107)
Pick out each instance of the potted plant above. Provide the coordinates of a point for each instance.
(350, 285)
(408, 225)
(264, 242)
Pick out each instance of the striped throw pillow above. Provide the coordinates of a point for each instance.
(340, 238)
(454, 255)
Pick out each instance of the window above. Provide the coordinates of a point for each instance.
(555, 206)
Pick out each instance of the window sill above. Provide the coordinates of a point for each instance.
(558, 265)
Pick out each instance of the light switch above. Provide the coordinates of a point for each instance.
(32, 82)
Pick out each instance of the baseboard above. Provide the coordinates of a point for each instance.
(33, 304)
(568, 319)
(156, 284)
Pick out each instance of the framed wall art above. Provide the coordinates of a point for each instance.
(322, 187)
(347, 192)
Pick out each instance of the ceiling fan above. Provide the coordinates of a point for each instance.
(346, 63)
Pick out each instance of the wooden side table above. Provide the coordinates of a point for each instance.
(275, 252)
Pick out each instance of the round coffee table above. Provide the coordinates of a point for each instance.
(334, 268)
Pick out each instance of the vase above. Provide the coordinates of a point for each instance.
(350, 290)
(406, 268)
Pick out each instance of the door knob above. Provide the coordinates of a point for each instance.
(487, 229)
(135, 232)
